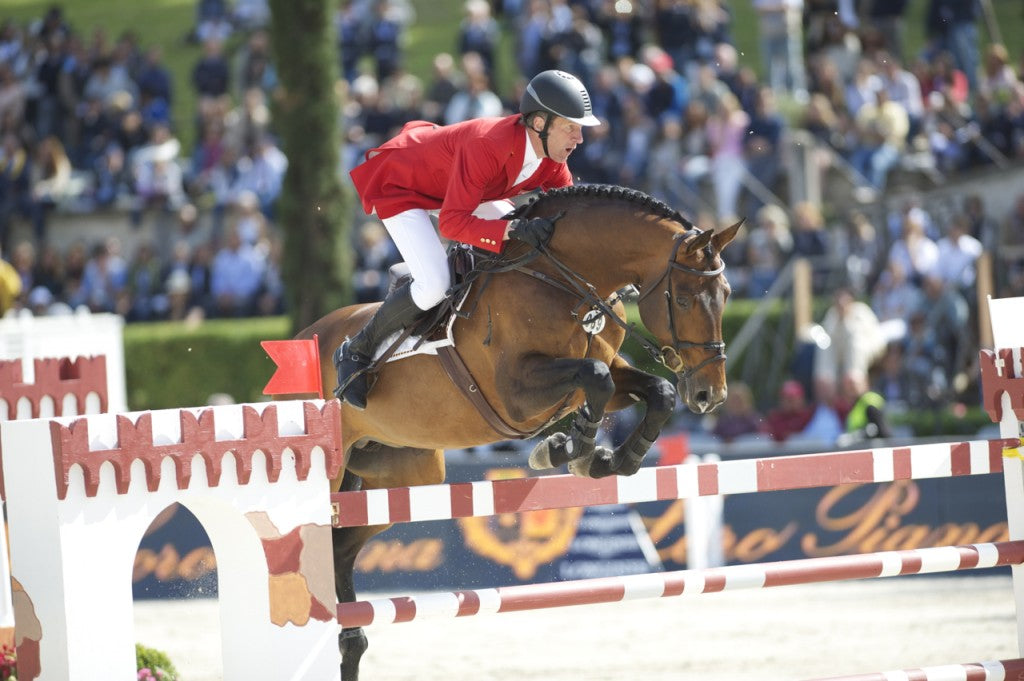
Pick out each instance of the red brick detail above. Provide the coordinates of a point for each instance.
(56, 377)
(198, 436)
(997, 380)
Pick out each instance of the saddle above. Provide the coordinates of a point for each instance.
(432, 334)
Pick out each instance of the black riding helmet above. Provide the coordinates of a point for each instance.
(558, 93)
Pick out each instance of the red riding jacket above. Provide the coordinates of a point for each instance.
(455, 168)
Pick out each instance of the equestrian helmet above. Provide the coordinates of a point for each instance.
(559, 93)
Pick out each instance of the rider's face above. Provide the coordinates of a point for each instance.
(563, 136)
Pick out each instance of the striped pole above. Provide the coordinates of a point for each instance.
(681, 583)
(1001, 670)
(659, 483)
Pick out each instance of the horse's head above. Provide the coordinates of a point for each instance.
(682, 307)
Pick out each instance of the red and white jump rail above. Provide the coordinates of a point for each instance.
(681, 583)
(660, 483)
(993, 670)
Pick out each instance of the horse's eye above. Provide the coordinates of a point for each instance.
(683, 302)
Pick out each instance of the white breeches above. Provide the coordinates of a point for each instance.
(421, 249)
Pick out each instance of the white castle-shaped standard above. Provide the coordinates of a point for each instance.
(82, 491)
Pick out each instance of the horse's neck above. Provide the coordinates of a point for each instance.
(610, 254)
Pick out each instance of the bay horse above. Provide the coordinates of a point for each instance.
(539, 333)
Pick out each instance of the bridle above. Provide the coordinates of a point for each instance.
(589, 298)
(718, 346)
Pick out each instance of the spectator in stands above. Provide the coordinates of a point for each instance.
(442, 87)
(384, 37)
(792, 414)
(890, 381)
(894, 298)
(640, 133)
(670, 92)
(104, 279)
(768, 248)
(887, 18)
(351, 37)
(882, 129)
(946, 314)
(951, 25)
(50, 175)
(781, 34)
(903, 88)
(375, 254)
(663, 180)
(211, 76)
(865, 418)
(958, 252)
(476, 100)
(236, 277)
(763, 145)
(255, 68)
(216, 29)
(856, 344)
(914, 251)
(147, 300)
(262, 172)
(207, 11)
(998, 81)
(923, 358)
(15, 185)
(49, 111)
(479, 32)
(623, 29)
(250, 15)
(727, 128)
(109, 80)
(739, 415)
(13, 94)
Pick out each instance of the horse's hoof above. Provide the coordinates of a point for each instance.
(581, 467)
(596, 464)
(541, 456)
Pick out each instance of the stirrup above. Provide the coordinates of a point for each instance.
(362, 364)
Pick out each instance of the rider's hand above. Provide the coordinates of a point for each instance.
(534, 231)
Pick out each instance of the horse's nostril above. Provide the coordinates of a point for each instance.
(702, 398)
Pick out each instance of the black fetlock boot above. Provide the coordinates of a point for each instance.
(354, 356)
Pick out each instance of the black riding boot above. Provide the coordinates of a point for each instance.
(355, 355)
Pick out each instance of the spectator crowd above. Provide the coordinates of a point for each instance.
(86, 125)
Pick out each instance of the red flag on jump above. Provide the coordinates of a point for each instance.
(298, 367)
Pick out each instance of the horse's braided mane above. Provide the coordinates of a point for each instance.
(660, 208)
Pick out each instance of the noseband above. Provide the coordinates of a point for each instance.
(718, 346)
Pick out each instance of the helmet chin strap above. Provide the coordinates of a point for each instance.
(543, 134)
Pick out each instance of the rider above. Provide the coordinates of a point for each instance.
(468, 170)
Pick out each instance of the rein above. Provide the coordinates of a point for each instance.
(577, 285)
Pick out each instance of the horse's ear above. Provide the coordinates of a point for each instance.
(701, 241)
(722, 239)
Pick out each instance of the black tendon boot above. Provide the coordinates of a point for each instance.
(355, 355)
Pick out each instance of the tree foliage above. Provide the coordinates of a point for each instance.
(314, 208)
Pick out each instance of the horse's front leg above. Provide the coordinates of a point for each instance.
(659, 398)
(545, 382)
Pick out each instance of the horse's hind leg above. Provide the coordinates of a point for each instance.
(376, 468)
(347, 542)
(659, 396)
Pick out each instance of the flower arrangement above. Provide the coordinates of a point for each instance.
(8, 664)
(153, 665)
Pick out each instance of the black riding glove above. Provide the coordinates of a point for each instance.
(534, 231)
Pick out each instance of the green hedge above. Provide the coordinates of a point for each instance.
(169, 364)
(173, 365)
